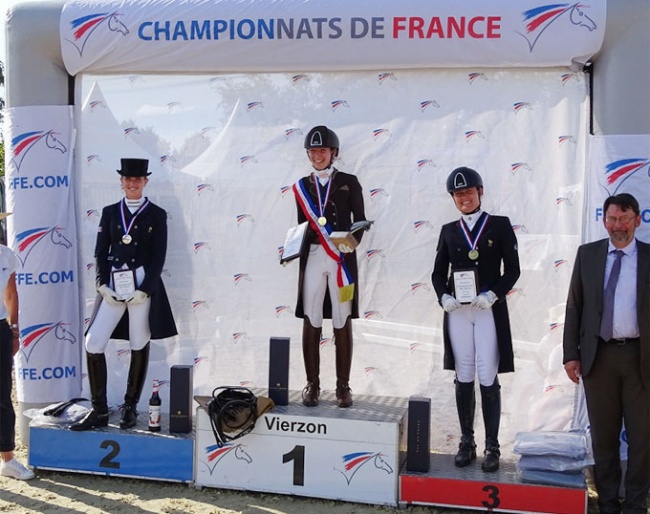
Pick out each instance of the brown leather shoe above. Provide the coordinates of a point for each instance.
(310, 394)
(343, 396)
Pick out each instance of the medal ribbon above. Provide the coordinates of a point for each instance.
(135, 214)
(468, 235)
(322, 203)
(343, 276)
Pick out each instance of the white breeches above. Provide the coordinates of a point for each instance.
(108, 317)
(320, 274)
(473, 339)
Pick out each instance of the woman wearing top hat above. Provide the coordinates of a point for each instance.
(476, 328)
(133, 305)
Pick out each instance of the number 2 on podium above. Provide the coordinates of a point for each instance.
(297, 455)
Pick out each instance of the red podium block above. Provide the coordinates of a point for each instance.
(470, 488)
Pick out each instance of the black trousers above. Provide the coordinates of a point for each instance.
(7, 413)
(615, 394)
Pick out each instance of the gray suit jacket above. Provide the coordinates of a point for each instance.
(585, 305)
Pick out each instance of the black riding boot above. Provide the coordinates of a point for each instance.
(343, 342)
(311, 356)
(97, 376)
(466, 406)
(135, 383)
(491, 403)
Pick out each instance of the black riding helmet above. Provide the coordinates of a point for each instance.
(322, 137)
(463, 178)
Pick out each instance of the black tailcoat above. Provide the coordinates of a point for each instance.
(148, 249)
(344, 207)
(497, 245)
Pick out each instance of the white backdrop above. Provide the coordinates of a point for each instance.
(224, 150)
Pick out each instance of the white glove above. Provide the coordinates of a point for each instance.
(449, 303)
(343, 248)
(138, 297)
(484, 300)
(109, 296)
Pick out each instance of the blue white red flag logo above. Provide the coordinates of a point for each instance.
(32, 336)
(538, 19)
(27, 240)
(84, 27)
(22, 144)
(353, 462)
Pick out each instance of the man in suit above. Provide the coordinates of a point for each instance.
(476, 330)
(611, 352)
(329, 200)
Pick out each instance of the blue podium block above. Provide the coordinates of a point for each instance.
(111, 451)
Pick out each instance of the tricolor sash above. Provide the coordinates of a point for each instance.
(344, 279)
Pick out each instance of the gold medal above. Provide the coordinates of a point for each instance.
(322, 221)
(126, 239)
(473, 254)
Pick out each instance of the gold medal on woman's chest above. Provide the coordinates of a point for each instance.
(322, 221)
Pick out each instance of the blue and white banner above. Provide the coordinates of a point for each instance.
(617, 164)
(138, 36)
(39, 153)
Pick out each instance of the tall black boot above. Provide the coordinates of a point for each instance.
(97, 376)
(466, 406)
(135, 383)
(343, 342)
(311, 356)
(491, 403)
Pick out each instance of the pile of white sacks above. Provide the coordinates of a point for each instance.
(553, 457)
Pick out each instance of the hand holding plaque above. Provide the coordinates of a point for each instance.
(465, 285)
(124, 283)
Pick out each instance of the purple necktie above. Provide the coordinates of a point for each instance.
(607, 321)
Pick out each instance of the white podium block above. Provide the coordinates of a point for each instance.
(348, 454)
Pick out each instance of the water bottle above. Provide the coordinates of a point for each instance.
(154, 409)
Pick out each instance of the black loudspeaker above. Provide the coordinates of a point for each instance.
(279, 370)
(180, 399)
(418, 440)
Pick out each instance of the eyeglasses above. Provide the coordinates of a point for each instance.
(623, 220)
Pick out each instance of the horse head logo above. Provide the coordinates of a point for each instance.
(540, 18)
(214, 454)
(28, 239)
(23, 143)
(85, 26)
(31, 336)
(353, 462)
(617, 172)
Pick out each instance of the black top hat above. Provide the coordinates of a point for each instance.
(134, 168)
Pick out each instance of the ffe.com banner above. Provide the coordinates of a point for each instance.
(618, 164)
(42, 232)
(309, 35)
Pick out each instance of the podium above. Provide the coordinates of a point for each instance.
(445, 485)
(111, 451)
(356, 454)
(322, 452)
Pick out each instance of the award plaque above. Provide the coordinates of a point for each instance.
(465, 285)
(294, 242)
(124, 283)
